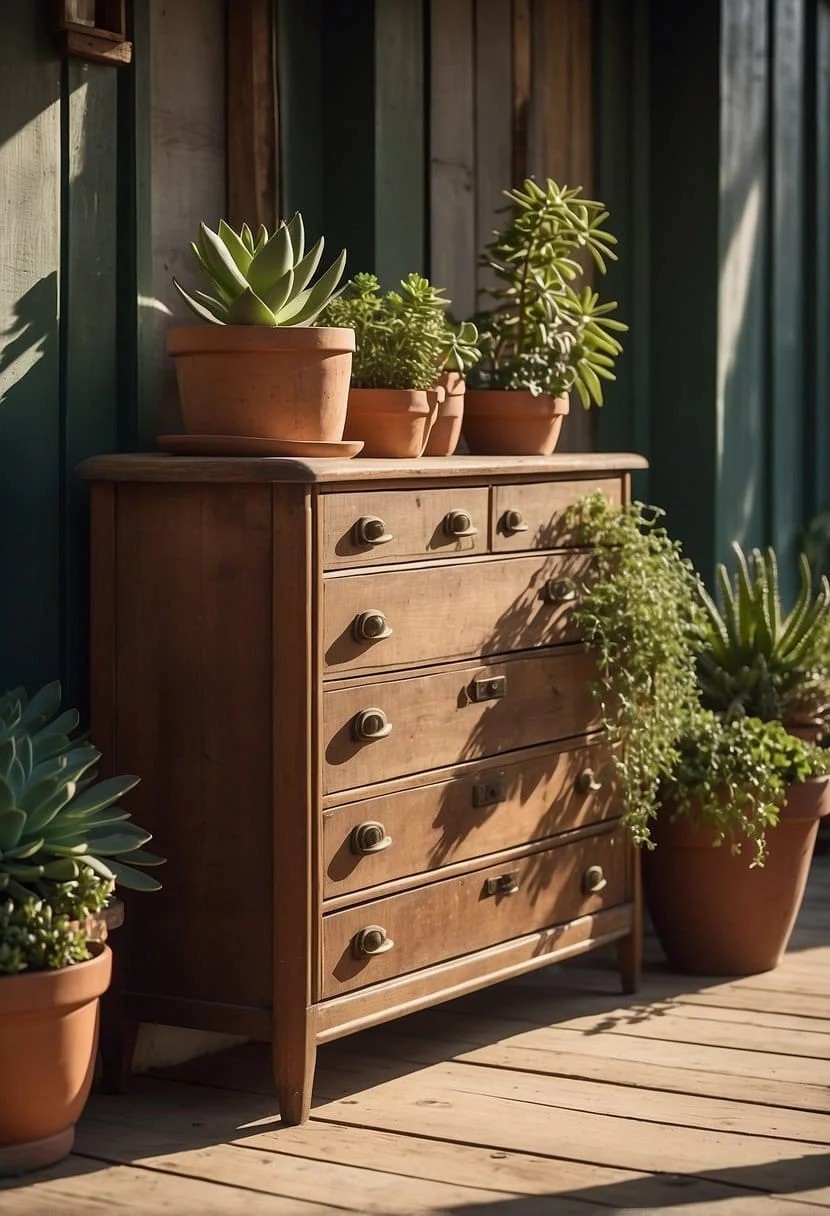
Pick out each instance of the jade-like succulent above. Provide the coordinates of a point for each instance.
(56, 820)
(262, 281)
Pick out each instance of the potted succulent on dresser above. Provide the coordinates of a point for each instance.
(260, 368)
(719, 791)
(542, 337)
(401, 348)
(460, 353)
(64, 843)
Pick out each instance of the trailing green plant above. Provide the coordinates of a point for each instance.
(640, 613)
(403, 339)
(263, 280)
(733, 775)
(756, 659)
(57, 822)
(542, 334)
(43, 934)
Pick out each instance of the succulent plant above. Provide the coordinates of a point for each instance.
(262, 281)
(56, 820)
(757, 660)
(461, 350)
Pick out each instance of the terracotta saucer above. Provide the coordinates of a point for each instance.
(251, 445)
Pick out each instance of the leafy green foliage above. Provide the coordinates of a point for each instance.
(543, 335)
(262, 281)
(56, 821)
(645, 613)
(403, 339)
(755, 659)
(37, 934)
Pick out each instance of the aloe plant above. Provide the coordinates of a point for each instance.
(263, 280)
(56, 820)
(758, 660)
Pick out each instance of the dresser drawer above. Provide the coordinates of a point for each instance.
(456, 916)
(435, 719)
(532, 516)
(403, 525)
(449, 611)
(494, 807)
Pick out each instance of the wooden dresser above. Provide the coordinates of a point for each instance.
(365, 731)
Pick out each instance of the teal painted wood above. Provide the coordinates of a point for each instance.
(817, 441)
(788, 282)
(623, 183)
(742, 355)
(400, 140)
(300, 83)
(30, 78)
(89, 337)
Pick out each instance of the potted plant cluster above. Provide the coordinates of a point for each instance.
(543, 337)
(404, 343)
(695, 700)
(64, 843)
(260, 370)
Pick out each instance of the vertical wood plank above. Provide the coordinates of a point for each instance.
(300, 108)
(400, 202)
(452, 153)
(817, 265)
(89, 337)
(493, 110)
(30, 143)
(252, 114)
(522, 87)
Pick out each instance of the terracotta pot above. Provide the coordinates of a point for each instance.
(392, 422)
(48, 1039)
(501, 422)
(712, 913)
(446, 430)
(289, 382)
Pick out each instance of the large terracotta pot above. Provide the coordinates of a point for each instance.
(392, 422)
(712, 913)
(286, 382)
(446, 430)
(48, 1040)
(503, 422)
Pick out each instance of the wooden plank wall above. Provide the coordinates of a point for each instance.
(511, 88)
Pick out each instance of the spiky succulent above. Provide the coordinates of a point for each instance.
(757, 660)
(56, 821)
(262, 281)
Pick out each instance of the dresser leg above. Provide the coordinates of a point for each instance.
(294, 1059)
(630, 960)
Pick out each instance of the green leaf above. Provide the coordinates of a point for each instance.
(235, 246)
(12, 823)
(110, 844)
(281, 291)
(43, 706)
(249, 309)
(248, 238)
(103, 794)
(133, 880)
(273, 261)
(308, 304)
(201, 310)
(140, 857)
(297, 235)
(221, 266)
(305, 269)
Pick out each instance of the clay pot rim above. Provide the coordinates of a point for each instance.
(207, 339)
(421, 401)
(31, 992)
(518, 402)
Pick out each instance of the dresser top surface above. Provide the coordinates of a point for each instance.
(158, 467)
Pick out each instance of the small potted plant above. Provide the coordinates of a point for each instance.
(64, 843)
(403, 343)
(460, 353)
(730, 800)
(260, 368)
(542, 337)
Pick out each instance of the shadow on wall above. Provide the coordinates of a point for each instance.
(29, 336)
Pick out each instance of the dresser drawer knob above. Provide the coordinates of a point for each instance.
(459, 523)
(593, 881)
(370, 941)
(369, 838)
(505, 884)
(371, 724)
(513, 521)
(371, 530)
(371, 626)
(586, 782)
(559, 591)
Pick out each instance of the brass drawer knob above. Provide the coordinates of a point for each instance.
(505, 884)
(369, 838)
(371, 530)
(559, 591)
(370, 941)
(513, 521)
(459, 523)
(593, 881)
(371, 724)
(586, 782)
(371, 626)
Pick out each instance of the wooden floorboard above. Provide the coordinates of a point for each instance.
(551, 1095)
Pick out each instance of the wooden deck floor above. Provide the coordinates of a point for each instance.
(550, 1096)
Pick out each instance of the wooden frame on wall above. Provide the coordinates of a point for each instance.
(93, 29)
